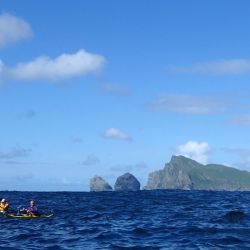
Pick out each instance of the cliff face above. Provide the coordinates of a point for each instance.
(127, 182)
(184, 173)
(97, 184)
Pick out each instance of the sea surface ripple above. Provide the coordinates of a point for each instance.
(160, 219)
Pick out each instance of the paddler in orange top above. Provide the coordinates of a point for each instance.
(4, 205)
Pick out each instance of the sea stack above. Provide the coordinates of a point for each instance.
(127, 182)
(97, 184)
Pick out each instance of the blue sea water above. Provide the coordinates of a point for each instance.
(160, 219)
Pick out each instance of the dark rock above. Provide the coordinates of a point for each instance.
(97, 184)
(235, 216)
(127, 182)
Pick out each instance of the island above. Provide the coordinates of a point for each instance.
(127, 182)
(98, 184)
(184, 173)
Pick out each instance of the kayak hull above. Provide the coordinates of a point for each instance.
(28, 216)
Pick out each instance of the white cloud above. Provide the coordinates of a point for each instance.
(197, 151)
(63, 66)
(187, 104)
(13, 29)
(220, 67)
(114, 133)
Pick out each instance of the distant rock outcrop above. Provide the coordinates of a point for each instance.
(184, 173)
(97, 184)
(127, 182)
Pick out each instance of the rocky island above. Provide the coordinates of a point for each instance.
(127, 182)
(184, 173)
(97, 184)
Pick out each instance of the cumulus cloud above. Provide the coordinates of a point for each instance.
(15, 152)
(63, 66)
(187, 104)
(220, 67)
(114, 133)
(197, 151)
(13, 29)
(91, 160)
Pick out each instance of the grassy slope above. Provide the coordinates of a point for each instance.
(219, 176)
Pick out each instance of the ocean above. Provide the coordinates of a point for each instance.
(157, 219)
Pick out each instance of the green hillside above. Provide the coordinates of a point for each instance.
(184, 173)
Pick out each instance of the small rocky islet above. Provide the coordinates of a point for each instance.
(125, 182)
(98, 184)
(182, 173)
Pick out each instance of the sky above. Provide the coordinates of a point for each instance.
(107, 87)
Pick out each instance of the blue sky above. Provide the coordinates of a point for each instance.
(107, 87)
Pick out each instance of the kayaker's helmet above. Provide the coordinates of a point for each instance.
(3, 200)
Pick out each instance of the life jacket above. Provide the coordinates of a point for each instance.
(32, 210)
(4, 206)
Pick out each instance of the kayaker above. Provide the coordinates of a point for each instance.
(32, 210)
(4, 205)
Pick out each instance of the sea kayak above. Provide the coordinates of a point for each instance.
(28, 216)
